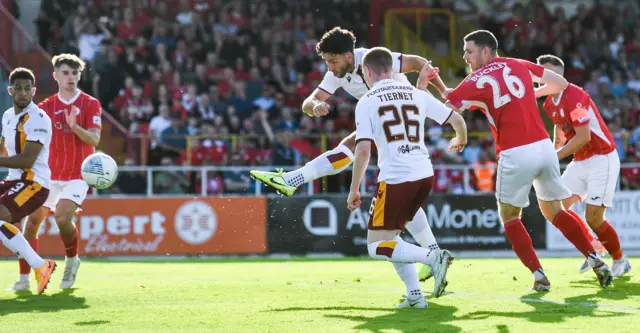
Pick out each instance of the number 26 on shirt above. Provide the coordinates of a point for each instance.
(513, 83)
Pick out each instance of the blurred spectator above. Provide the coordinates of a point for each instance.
(472, 151)
(484, 172)
(236, 182)
(169, 182)
(131, 182)
(137, 110)
(245, 68)
(172, 139)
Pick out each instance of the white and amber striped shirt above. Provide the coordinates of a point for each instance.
(32, 124)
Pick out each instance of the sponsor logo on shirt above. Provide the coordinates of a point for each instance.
(406, 149)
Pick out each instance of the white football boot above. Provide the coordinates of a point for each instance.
(620, 267)
(71, 266)
(420, 303)
(20, 285)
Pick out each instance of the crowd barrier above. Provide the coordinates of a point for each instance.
(304, 225)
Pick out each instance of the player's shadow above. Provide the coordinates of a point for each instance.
(437, 318)
(91, 323)
(622, 288)
(551, 311)
(30, 303)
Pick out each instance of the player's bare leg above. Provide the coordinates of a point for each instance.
(328, 163)
(386, 245)
(13, 239)
(522, 244)
(30, 233)
(569, 225)
(65, 210)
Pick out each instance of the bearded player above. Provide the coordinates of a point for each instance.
(345, 70)
(77, 121)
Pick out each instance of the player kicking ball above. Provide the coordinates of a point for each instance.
(503, 89)
(392, 115)
(77, 122)
(24, 149)
(593, 174)
(344, 63)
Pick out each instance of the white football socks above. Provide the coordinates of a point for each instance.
(328, 163)
(13, 239)
(421, 231)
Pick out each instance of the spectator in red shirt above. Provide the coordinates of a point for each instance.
(631, 175)
(345, 118)
(127, 28)
(137, 110)
(241, 73)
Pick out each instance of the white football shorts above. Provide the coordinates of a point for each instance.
(533, 164)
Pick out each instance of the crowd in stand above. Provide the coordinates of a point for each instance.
(218, 69)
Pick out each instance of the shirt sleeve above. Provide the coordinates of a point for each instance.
(397, 62)
(329, 83)
(436, 110)
(46, 106)
(465, 96)
(577, 104)
(93, 116)
(38, 129)
(364, 127)
(535, 70)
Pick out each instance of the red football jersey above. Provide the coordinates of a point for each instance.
(67, 151)
(574, 108)
(503, 90)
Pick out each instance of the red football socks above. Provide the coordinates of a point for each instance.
(522, 244)
(569, 225)
(584, 226)
(609, 239)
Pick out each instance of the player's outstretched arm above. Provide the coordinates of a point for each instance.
(553, 83)
(414, 63)
(460, 141)
(25, 159)
(315, 105)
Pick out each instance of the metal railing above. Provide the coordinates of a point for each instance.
(258, 189)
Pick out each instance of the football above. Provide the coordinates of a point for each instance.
(99, 170)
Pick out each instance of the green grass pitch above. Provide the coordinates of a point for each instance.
(342, 295)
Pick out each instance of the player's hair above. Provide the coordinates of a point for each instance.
(378, 60)
(68, 59)
(550, 59)
(22, 73)
(336, 40)
(483, 38)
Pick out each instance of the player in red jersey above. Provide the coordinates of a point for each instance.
(503, 89)
(77, 121)
(592, 176)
